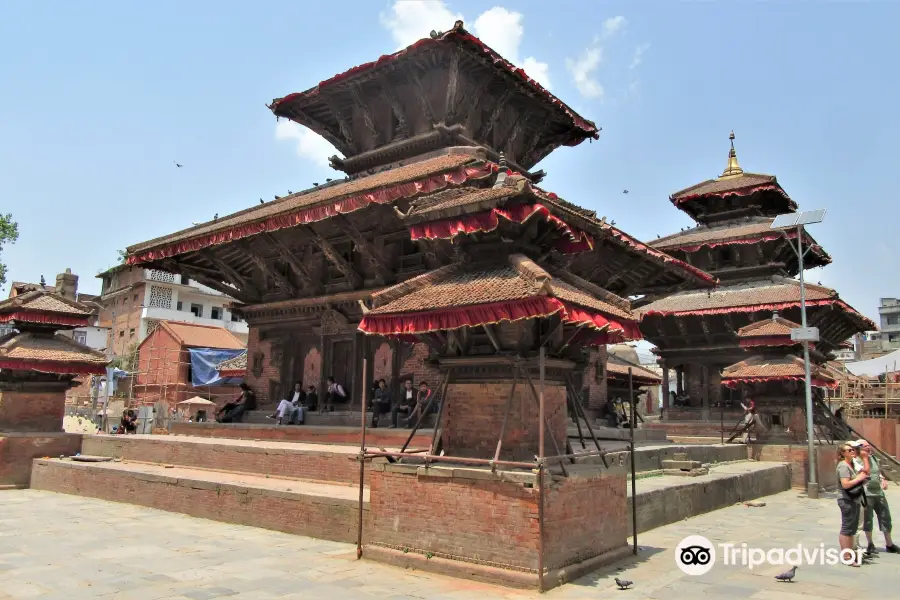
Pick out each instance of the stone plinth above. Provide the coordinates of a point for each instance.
(19, 449)
(472, 523)
(32, 410)
(797, 455)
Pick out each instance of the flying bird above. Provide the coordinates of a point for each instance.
(613, 222)
(623, 584)
(787, 575)
(177, 165)
(624, 191)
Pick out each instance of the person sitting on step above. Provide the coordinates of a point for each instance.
(334, 393)
(381, 403)
(312, 399)
(291, 408)
(407, 403)
(421, 403)
(233, 412)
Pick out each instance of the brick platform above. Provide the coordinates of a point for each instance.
(484, 525)
(315, 462)
(32, 410)
(18, 450)
(797, 456)
(318, 510)
(304, 433)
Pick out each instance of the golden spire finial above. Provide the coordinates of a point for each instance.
(733, 169)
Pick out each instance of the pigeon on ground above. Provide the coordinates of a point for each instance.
(623, 583)
(787, 575)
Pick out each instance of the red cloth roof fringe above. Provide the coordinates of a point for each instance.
(577, 120)
(666, 258)
(489, 220)
(747, 191)
(733, 383)
(752, 240)
(754, 308)
(31, 316)
(772, 340)
(313, 214)
(59, 368)
(486, 314)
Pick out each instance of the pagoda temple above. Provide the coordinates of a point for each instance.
(696, 331)
(774, 376)
(37, 365)
(437, 257)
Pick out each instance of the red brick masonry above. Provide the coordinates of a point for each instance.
(304, 433)
(32, 411)
(18, 450)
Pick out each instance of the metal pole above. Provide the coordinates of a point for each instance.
(812, 487)
(634, 531)
(541, 521)
(362, 468)
(722, 418)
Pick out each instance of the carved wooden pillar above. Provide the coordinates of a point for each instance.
(704, 391)
(679, 379)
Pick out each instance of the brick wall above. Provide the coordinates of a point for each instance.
(17, 451)
(798, 458)
(32, 411)
(162, 360)
(260, 384)
(880, 432)
(390, 438)
(418, 367)
(474, 417)
(584, 516)
(595, 379)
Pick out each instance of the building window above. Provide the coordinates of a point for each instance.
(135, 297)
(893, 320)
(235, 318)
(131, 332)
(157, 275)
(80, 337)
(197, 309)
(179, 306)
(185, 280)
(160, 297)
(215, 313)
(726, 257)
(122, 333)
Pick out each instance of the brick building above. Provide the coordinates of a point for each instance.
(164, 362)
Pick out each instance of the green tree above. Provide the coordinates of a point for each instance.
(9, 233)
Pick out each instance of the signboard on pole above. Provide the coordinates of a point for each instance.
(805, 334)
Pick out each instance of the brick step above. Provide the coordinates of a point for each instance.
(336, 419)
(304, 433)
(325, 511)
(318, 462)
(653, 457)
(641, 434)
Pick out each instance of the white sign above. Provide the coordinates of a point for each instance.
(805, 334)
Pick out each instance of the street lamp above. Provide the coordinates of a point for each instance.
(804, 334)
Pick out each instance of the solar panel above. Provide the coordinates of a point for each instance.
(794, 219)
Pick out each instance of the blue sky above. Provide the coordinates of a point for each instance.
(98, 99)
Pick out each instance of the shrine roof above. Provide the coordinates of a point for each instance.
(44, 301)
(783, 368)
(617, 366)
(461, 285)
(743, 184)
(467, 43)
(291, 210)
(741, 231)
(776, 326)
(768, 294)
(52, 354)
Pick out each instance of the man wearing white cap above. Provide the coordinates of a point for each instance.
(876, 501)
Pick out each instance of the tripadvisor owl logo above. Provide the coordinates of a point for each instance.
(695, 555)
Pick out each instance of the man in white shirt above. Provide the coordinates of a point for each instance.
(293, 408)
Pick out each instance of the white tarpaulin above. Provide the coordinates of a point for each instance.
(876, 366)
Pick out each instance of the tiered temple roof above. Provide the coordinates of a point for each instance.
(37, 315)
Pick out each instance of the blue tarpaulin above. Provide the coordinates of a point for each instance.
(203, 366)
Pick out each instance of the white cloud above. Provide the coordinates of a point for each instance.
(638, 56)
(310, 145)
(583, 69)
(411, 20)
(613, 25)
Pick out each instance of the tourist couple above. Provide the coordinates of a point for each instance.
(862, 491)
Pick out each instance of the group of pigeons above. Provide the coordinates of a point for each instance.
(787, 576)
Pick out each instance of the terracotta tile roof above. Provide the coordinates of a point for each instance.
(463, 200)
(314, 196)
(756, 293)
(44, 301)
(238, 363)
(57, 348)
(777, 326)
(192, 335)
(787, 367)
(618, 367)
(465, 285)
(714, 187)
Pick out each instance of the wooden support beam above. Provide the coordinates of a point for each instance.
(334, 257)
(453, 342)
(346, 128)
(475, 95)
(341, 144)
(682, 326)
(422, 95)
(366, 248)
(430, 342)
(356, 95)
(508, 140)
(270, 271)
(489, 330)
(390, 94)
(230, 274)
(705, 327)
(451, 103)
(499, 107)
(296, 265)
(250, 296)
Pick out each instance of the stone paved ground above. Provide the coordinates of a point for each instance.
(54, 546)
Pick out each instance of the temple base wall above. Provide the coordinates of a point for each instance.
(19, 449)
(472, 523)
(474, 417)
(797, 456)
(32, 410)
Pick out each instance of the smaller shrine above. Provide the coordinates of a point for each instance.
(774, 377)
(38, 364)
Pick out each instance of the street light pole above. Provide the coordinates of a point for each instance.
(812, 488)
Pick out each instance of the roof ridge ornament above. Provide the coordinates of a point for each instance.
(733, 169)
